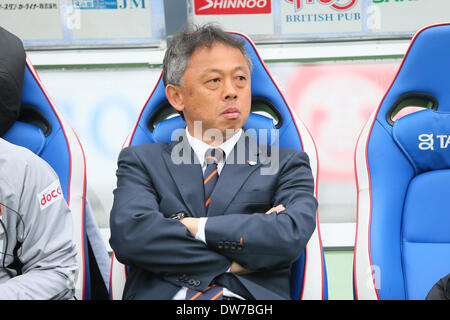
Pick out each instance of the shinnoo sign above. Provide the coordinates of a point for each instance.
(213, 7)
(252, 17)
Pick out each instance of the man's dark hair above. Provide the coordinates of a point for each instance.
(185, 42)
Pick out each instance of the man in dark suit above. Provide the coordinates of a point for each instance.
(192, 223)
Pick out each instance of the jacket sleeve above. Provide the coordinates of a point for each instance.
(141, 235)
(267, 241)
(47, 255)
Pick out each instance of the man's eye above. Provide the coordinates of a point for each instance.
(213, 83)
(241, 81)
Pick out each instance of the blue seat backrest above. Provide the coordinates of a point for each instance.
(53, 148)
(264, 93)
(26, 135)
(424, 138)
(409, 246)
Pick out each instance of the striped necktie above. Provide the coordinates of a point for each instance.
(213, 292)
(211, 175)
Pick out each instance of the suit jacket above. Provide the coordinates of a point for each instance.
(161, 254)
(440, 290)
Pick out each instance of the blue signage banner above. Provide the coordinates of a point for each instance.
(95, 4)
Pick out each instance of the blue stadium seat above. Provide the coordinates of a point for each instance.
(42, 128)
(402, 164)
(158, 120)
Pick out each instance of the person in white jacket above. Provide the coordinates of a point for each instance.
(37, 255)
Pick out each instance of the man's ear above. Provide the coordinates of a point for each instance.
(175, 96)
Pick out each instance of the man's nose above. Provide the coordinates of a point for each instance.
(229, 90)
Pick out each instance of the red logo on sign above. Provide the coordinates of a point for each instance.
(204, 7)
(335, 4)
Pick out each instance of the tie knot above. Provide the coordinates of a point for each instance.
(214, 155)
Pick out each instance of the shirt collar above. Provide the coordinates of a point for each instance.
(201, 147)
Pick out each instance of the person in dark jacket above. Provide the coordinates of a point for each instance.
(12, 69)
(222, 224)
(441, 290)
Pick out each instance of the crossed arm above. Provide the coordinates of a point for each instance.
(142, 236)
(276, 239)
(192, 225)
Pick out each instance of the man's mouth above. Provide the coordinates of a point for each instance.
(231, 113)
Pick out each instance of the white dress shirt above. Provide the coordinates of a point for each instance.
(200, 149)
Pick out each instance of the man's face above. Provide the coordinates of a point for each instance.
(216, 89)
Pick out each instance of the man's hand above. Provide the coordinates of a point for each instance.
(276, 209)
(191, 224)
(238, 269)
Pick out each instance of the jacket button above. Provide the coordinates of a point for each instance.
(227, 245)
(192, 282)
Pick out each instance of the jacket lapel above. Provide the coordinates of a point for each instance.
(238, 166)
(186, 172)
